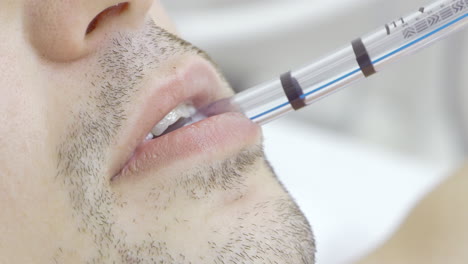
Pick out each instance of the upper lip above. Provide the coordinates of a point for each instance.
(195, 82)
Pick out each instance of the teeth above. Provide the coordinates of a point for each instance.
(150, 136)
(181, 111)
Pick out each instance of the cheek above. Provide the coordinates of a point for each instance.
(34, 211)
(32, 208)
(24, 149)
(26, 170)
(35, 218)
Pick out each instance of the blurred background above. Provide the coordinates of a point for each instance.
(357, 161)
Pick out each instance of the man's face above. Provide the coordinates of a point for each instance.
(79, 180)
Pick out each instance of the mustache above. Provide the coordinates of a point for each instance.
(121, 68)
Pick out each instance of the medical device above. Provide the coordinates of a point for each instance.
(362, 58)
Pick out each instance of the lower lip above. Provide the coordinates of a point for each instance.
(214, 138)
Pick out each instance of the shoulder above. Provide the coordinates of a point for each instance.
(435, 231)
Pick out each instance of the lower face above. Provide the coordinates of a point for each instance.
(200, 197)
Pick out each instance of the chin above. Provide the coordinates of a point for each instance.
(239, 214)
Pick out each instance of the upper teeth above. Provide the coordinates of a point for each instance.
(181, 111)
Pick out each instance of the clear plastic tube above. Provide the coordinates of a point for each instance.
(268, 101)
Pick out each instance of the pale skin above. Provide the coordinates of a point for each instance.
(436, 230)
(71, 90)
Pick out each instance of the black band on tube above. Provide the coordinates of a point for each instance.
(363, 58)
(293, 90)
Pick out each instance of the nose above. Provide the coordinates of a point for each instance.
(66, 30)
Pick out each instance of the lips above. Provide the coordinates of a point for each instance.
(196, 83)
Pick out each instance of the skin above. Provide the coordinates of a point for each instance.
(67, 99)
(434, 232)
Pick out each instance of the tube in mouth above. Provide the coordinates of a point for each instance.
(222, 106)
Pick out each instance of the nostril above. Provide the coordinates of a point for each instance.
(108, 12)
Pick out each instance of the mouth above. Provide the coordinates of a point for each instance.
(172, 121)
(157, 135)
